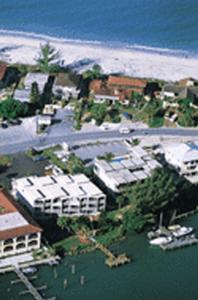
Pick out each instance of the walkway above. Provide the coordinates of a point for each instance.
(28, 284)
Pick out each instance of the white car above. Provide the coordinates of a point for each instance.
(104, 127)
(124, 130)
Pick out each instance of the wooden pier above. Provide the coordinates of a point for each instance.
(31, 289)
(113, 260)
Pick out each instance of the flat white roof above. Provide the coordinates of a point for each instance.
(183, 152)
(132, 167)
(11, 221)
(51, 187)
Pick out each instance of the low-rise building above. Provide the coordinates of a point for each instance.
(184, 158)
(44, 120)
(40, 78)
(22, 95)
(124, 170)
(173, 91)
(19, 233)
(62, 195)
(65, 87)
(116, 88)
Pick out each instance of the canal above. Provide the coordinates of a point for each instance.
(152, 275)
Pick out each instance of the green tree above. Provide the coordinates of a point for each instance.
(98, 112)
(94, 73)
(48, 58)
(74, 164)
(150, 197)
(64, 223)
(120, 200)
(34, 95)
(186, 119)
(12, 109)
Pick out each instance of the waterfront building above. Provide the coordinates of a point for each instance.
(19, 233)
(184, 158)
(62, 195)
(127, 169)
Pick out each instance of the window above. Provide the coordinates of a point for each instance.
(20, 239)
(20, 246)
(32, 243)
(33, 236)
(9, 241)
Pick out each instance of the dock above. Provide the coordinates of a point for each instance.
(180, 243)
(31, 289)
(113, 260)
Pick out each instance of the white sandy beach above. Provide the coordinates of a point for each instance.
(130, 62)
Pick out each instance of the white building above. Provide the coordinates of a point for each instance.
(61, 195)
(40, 78)
(22, 95)
(18, 232)
(44, 120)
(124, 170)
(184, 158)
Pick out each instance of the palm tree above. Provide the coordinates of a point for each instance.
(120, 201)
(64, 223)
(48, 57)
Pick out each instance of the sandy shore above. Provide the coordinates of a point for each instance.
(136, 63)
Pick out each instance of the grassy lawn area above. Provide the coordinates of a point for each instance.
(110, 236)
(49, 153)
(71, 245)
(53, 158)
(5, 160)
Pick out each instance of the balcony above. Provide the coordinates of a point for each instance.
(8, 242)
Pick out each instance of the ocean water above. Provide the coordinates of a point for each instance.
(164, 24)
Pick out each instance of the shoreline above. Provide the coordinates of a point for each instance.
(137, 61)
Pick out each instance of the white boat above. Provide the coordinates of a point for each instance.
(179, 231)
(162, 240)
(29, 270)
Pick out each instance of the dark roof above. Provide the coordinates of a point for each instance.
(3, 68)
(63, 79)
(172, 88)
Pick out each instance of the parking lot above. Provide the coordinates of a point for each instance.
(89, 152)
(19, 133)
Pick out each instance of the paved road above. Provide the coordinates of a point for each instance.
(79, 137)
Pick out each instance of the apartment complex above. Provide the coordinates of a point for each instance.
(18, 231)
(124, 170)
(184, 158)
(62, 195)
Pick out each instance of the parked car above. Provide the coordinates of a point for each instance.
(4, 125)
(124, 130)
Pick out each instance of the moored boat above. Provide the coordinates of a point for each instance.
(179, 231)
(29, 270)
(162, 240)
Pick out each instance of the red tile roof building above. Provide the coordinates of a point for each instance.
(3, 68)
(19, 233)
(127, 83)
(116, 88)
